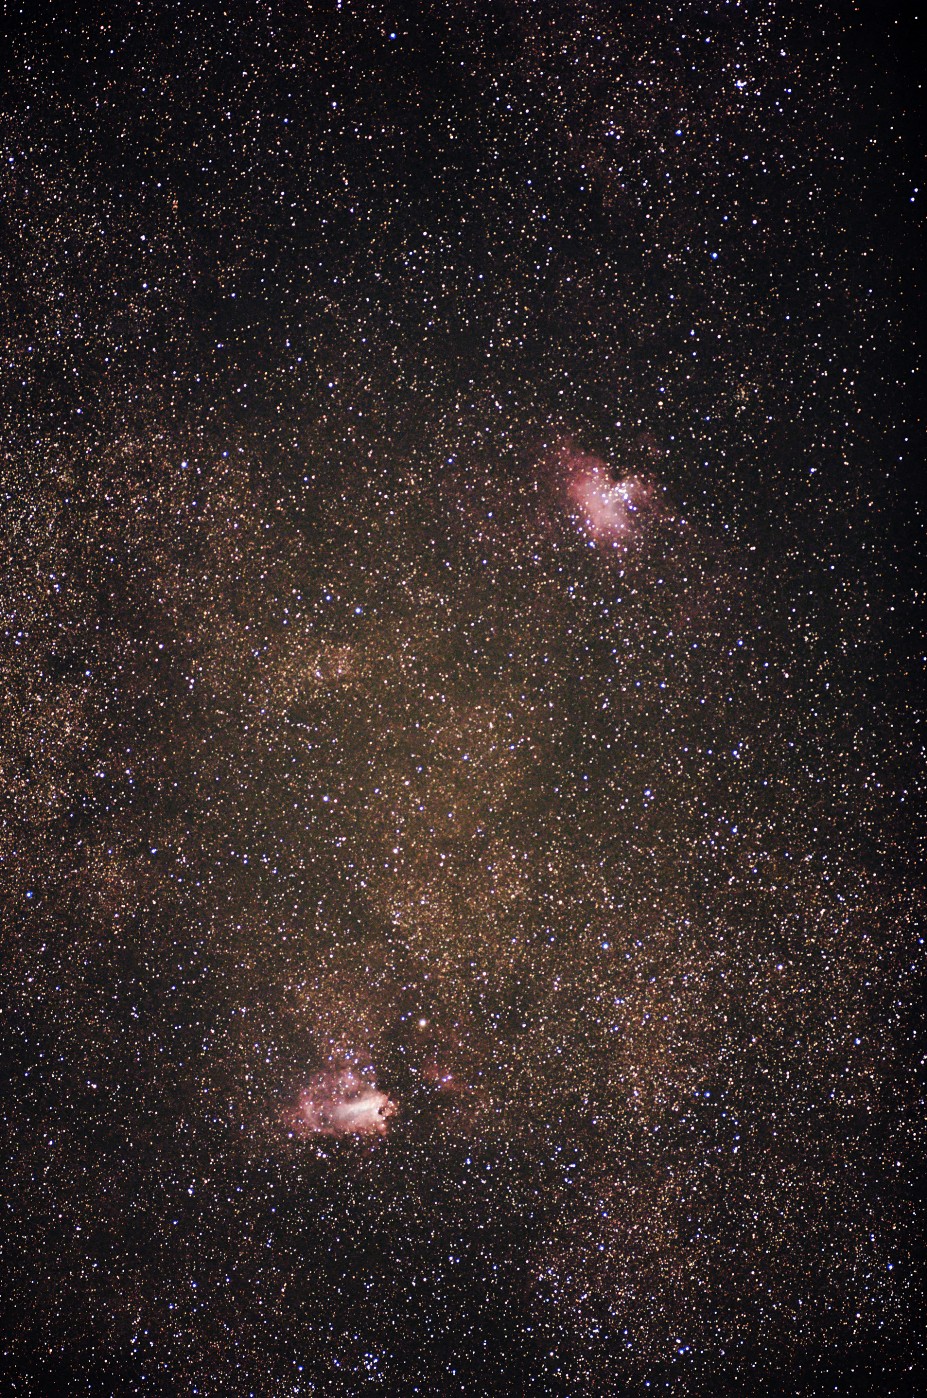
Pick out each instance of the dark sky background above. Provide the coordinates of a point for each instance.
(460, 878)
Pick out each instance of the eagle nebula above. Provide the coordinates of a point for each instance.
(606, 509)
(460, 870)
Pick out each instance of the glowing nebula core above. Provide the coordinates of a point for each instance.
(608, 510)
(343, 1103)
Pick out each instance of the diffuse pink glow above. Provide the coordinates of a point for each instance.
(608, 509)
(342, 1103)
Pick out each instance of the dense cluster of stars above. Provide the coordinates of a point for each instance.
(461, 915)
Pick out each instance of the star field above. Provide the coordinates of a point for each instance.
(460, 872)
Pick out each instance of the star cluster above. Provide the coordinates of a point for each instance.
(459, 885)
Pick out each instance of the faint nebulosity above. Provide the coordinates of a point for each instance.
(459, 850)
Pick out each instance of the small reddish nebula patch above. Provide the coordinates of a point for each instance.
(609, 511)
(342, 1103)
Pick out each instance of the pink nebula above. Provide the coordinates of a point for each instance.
(342, 1103)
(608, 509)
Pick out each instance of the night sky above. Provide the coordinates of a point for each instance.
(461, 915)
